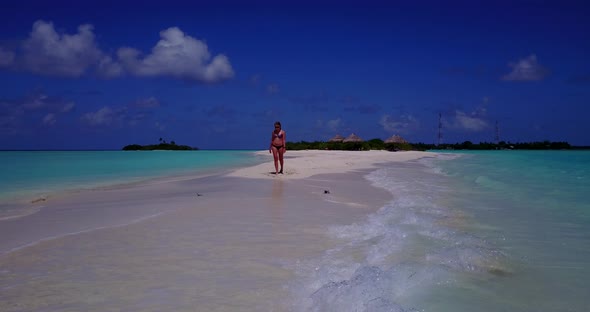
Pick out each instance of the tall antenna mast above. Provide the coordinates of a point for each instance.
(439, 141)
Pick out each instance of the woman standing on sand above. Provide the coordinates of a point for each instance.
(278, 146)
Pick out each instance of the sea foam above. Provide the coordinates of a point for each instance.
(397, 254)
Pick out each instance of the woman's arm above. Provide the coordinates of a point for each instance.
(270, 146)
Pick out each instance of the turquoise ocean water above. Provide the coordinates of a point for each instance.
(472, 231)
(27, 175)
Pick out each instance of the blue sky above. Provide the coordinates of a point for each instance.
(217, 76)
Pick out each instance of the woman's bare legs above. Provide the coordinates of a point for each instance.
(276, 154)
(281, 152)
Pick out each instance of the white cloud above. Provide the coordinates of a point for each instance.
(527, 69)
(482, 109)
(465, 121)
(334, 124)
(403, 124)
(68, 107)
(10, 117)
(150, 102)
(176, 55)
(49, 119)
(179, 56)
(49, 53)
(107, 68)
(36, 107)
(104, 116)
(6, 58)
(41, 101)
(35, 101)
(473, 121)
(119, 116)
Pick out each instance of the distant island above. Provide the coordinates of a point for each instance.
(378, 144)
(163, 145)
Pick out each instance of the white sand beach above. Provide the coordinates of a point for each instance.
(218, 243)
(304, 164)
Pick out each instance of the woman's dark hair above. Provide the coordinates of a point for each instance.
(278, 123)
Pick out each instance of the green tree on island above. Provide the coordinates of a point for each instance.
(378, 144)
(172, 146)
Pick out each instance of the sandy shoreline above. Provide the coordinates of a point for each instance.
(304, 164)
(215, 243)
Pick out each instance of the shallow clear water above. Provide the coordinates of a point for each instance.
(30, 174)
(476, 231)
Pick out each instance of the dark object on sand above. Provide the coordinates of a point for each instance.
(42, 199)
(199, 194)
(326, 192)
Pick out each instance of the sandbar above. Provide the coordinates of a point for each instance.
(224, 242)
(306, 163)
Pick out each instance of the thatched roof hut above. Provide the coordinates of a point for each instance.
(352, 138)
(396, 139)
(337, 138)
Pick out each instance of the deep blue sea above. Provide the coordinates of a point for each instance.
(28, 175)
(468, 231)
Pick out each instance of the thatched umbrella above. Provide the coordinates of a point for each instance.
(336, 138)
(395, 139)
(352, 138)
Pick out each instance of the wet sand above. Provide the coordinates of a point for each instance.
(216, 243)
